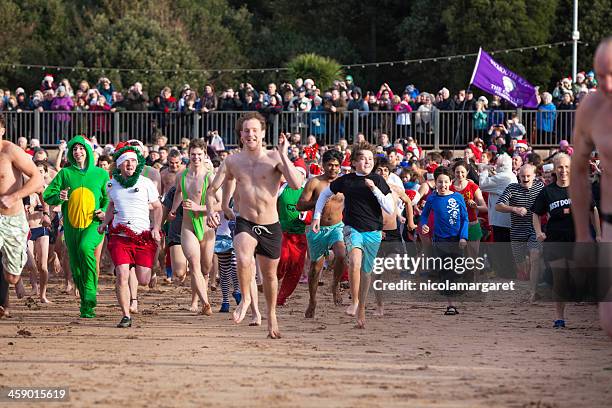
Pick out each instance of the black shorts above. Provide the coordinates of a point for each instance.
(392, 236)
(170, 244)
(391, 245)
(38, 232)
(269, 237)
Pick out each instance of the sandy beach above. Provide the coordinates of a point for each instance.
(500, 352)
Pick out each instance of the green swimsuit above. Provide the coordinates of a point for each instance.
(197, 220)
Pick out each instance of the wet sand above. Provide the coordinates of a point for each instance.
(501, 352)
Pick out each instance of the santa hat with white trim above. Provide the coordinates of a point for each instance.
(522, 144)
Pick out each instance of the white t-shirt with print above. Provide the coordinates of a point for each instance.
(132, 204)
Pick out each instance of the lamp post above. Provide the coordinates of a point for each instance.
(575, 38)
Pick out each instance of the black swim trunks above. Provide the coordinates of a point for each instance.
(269, 237)
(391, 244)
(392, 236)
(38, 232)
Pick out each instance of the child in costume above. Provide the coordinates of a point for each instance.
(81, 190)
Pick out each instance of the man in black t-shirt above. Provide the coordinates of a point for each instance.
(558, 251)
(366, 195)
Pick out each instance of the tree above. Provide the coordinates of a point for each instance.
(461, 26)
(218, 34)
(135, 41)
(594, 22)
(322, 70)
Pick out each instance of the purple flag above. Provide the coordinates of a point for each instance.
(496, 79)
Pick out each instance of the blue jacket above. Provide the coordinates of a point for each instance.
(546, 117)
(318, 120)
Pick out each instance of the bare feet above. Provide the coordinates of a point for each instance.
(19, 289)
(360, 318)
(534, 298)
(35, 291)
(310, 311)
(70, 290)
(153, 282)
(134, 306)
(380, 311)
(3, 312)
(43, 299)
(241, 310)
(168, 280)
(352, 309)
(194, 307)
(337, 295)
(273, 332)
(206, 309)
(255, 320)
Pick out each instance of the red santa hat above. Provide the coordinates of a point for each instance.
(477, 152)
(129, 152)
(522, 143)
(300, 165)
(415, 150)
(48, 78)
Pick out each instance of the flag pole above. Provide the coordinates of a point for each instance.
(465, 99)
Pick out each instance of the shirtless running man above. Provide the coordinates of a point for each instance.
(14, 164)
(594, 131)
(168, 180)
(197, 240)
(168, 175)
(257, 172)
(330, 235)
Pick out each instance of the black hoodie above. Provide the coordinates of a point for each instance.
(357, 103)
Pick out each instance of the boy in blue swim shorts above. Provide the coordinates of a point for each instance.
(366, 195)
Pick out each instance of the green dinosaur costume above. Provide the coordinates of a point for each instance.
(86, 195)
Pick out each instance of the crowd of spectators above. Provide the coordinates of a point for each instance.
(300, 96)
(322, 109)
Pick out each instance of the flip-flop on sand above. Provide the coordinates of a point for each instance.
(451, 311)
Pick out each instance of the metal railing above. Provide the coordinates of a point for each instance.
(431, 129)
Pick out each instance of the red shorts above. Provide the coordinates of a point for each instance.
(123, 251)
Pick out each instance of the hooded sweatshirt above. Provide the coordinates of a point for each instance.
(87, 188)
(358, 103)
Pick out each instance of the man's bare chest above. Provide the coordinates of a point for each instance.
(7, 171)
(601, 130)
(168, 179)
(252, 171)
(194, 186)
